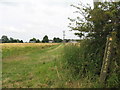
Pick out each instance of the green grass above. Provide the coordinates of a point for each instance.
(40, 68)
(35, 69)
(57, 66)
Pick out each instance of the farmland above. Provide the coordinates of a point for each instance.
(13, 49)
(37, 66)
(31, 65)
(49, 65)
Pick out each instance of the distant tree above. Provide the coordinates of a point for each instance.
(60, 40)
(37, 41)
(4, 39)
(57, 40)
(11, 40)
(67, 40)
(21, 41)
(33, 39)
(17, 40)
(45, 39)
(54, 39)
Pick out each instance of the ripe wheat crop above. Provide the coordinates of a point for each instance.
(12, 49)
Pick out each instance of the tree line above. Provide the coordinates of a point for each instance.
(5, 39)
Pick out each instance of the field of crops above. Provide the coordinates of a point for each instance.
(5, 45)
(13, 49)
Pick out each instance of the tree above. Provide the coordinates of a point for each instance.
(57, 40)
(99, 22)
(21, 41)
(11, 40)
(15, 41)
(33, 39)
(5, 39)
(45, 39)
(37, 41)
(95, 25)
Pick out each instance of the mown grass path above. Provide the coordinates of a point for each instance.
(34, 69)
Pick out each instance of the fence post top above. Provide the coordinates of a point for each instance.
(109, 38)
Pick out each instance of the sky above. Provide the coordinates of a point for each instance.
(25, 19)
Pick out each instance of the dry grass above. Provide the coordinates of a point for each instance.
(13, 49)
(8, 45)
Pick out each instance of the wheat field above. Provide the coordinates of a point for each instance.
(13, 49)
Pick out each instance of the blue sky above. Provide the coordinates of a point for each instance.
(25, 19)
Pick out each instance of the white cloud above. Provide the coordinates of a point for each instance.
(35, 18)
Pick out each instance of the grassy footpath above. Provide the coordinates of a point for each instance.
(43, 67)
(37, 68)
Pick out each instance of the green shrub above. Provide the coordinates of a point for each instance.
(86, 61)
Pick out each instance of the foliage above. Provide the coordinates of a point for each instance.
(37, 41)
(45, 39)
(96, 25)
(85, 61)
(34, 40)
(5, 39)
(57, 40)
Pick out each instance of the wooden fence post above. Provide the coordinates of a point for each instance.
(106, 60)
